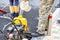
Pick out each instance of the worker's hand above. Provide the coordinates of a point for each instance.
(25, 0)
(25, 6)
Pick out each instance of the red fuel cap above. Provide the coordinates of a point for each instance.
(50, 16)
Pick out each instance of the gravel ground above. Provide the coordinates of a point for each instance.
(32, 17)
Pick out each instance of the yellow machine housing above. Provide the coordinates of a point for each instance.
(23, 21)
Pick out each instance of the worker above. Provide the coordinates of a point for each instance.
(14, 9)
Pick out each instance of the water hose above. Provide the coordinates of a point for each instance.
(3, 11)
